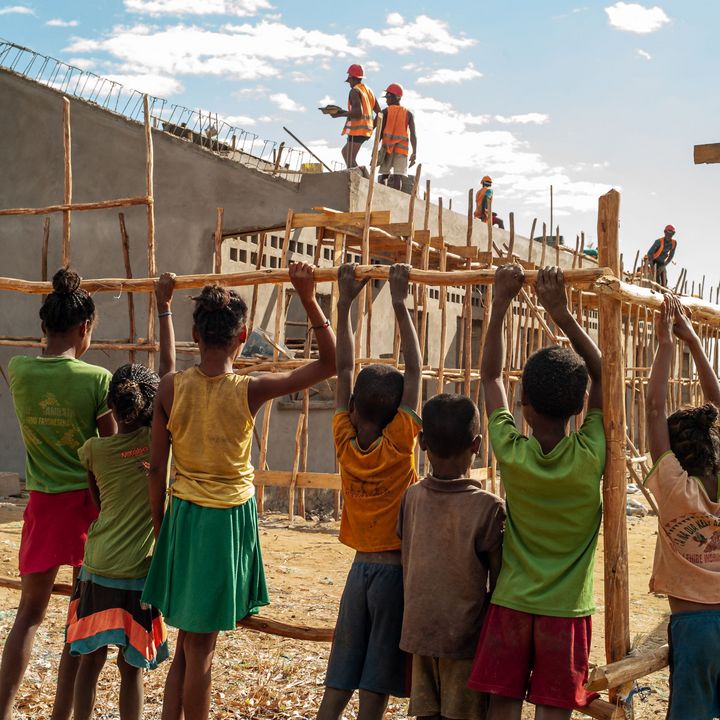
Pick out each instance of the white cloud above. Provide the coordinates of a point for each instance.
(159, 85)
(424, 33)
(633, 17)
(246, 52)
(197, 7)
(532, 118)
(238, 120)
(644, 54)
(372, 66)
(16, 10)
(82, 63)
(58, 22)
(447, 75)
(326, 100)
(285, 102)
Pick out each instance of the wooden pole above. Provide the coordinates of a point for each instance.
(217, 252)
(45, 245)
(128, 273)
(152, 270)
(67, 197)
(617, 597)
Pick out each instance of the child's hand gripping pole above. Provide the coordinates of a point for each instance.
(164, 287)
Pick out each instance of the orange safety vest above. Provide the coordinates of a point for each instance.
(661, 248)
(362, 126)
(395, 139)
(480, 211)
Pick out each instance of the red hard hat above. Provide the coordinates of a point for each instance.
(394, 89)
(356, 71)
(669, 228)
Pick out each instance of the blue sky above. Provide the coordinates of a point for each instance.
(585, 96)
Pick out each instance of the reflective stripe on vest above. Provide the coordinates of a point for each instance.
(395, 137)
(661, 250)
(362, 126)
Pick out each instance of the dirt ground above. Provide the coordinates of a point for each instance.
(259, 676)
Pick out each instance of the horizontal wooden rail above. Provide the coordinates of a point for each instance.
(628, 669)
(579, 278)
(79, 207)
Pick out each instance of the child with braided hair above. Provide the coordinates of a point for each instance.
(685, 448)
(60, 402)
(106, 607)
(207, 571)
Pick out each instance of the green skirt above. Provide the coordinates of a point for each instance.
(207, 570)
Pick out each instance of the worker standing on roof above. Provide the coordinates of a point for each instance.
(362, 112)
(398, 132)
(483, 199)
(661, 254)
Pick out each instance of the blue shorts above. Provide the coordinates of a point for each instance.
(366, 651)
(694, 639)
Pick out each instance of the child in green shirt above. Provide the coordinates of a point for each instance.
(536, 638)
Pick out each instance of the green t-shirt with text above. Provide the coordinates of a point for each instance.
(57, 401)
(120, 541)
(554, 509)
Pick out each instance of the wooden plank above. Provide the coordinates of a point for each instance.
(706, 154)
(328, 219)
(283, 478)
(77, 207)
(628, 669)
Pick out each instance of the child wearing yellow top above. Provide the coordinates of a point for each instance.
(374, 428)
(207, 572)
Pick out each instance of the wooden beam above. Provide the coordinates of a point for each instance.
(628, 669)
(77, 207)
(707, 154)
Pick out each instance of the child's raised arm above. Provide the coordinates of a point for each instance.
(508, 283)
(271, 385)
(550, 290)
(409, 343)
(160, 450)
(164, 287)
(656, 396)
(349, 288)
(683, 329)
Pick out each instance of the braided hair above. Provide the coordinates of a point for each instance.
(219, 315)
(132, 393)
(68, 304)
(695, 439)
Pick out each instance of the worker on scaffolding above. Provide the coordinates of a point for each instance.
(398, 133)
(483, 199)
(362, 112)
(660, 255)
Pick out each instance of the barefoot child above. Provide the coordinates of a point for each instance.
(684, 480)
(60, 402)
(374, 427)
(105, 608)
(536, 638)
(451, 532)
(206, 572)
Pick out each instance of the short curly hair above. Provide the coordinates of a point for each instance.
(450, 424)
(377, 393)
(695, 439)
(219, 315)
(132, 393)
(554, 381)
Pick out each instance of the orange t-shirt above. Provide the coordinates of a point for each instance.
(374, 480)
(687, 554)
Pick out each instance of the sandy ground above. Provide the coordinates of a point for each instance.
(260, 676)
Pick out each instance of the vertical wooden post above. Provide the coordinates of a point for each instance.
(152, 270)
(45, 244)
(217, 253)
(467, 306)
(617, 598)
(256, 288)
(128, 274)
(67, 197)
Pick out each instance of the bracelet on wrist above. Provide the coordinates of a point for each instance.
(324, 325)
(167, 313)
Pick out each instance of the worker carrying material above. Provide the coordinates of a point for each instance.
(660, 255)
(483, 199)
(398, 133)
(362, 112)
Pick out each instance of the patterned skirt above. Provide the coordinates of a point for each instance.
(108, 611)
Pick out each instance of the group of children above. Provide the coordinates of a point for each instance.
(466, 603)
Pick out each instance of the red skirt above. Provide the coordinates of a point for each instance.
(55, 529)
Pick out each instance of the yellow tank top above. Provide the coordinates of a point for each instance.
(212, 432)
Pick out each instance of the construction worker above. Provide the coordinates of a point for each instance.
(362, 112)
(483, 199)
(398, 132)
(661, 254)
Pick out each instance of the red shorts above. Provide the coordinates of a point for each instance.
(538, 657)
(55, 527)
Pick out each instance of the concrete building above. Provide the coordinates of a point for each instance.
(190, 182)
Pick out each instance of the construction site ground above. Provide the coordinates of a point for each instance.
(260, 676)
